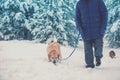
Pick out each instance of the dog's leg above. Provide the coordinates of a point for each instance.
(49, 56)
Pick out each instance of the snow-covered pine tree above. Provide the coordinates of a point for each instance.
(38, 19)
(5, 15)
(113, 31)
(68, 8)
(12, 20)
(57, 20)
(114, 35)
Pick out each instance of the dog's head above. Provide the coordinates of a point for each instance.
(55, 60)
(54, 57)
(112, 54)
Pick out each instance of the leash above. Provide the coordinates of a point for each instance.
(73, 49)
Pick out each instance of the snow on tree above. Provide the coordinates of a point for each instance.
(113, 31)
(114, 35)
(56, 20)
(38, 19)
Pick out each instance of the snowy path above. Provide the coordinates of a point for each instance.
(24, 60)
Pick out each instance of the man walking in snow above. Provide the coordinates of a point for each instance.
(91, 22)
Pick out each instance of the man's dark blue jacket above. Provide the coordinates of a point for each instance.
(91, 18)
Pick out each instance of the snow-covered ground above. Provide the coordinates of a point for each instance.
(27, 60)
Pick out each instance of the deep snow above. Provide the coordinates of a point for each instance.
(27, 60)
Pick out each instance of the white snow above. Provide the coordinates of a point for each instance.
(28, 1)
(28, 26)
(61, 27)
(50, 13)
(23, 6)
(72, 22)
(36, 8)
(6, 19)
(115, 26)
(27, 60)
(18, 16)
(6, 4)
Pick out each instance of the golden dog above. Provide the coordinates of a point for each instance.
(54, 52)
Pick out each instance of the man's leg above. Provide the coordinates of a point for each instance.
(89, 58)
(98, 45)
